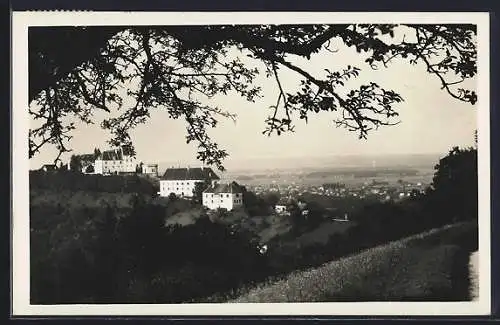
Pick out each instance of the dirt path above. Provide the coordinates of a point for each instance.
(474, 274)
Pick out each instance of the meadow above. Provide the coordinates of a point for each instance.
(431, 266)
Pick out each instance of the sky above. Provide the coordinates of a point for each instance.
(431, 121)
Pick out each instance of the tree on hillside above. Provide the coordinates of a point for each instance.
(271, 199)
(172, 197)
(89, 169)
(138, 168)
(454, 189)
(81, 69)
(97, 153)
(199, 187)
(75, 163)
(315, 214)
(255, 205)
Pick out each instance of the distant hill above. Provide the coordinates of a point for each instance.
(304, 163)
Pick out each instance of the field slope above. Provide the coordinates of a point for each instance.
(432, 266)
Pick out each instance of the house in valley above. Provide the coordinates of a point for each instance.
(283, 206)
(115, 161)
(225, 196)
(182, 181)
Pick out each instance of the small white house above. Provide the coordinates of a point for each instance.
(280, 208)
(182, 181)
(225, 196)
(283, 206)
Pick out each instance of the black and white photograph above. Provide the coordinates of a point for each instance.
(251, 163)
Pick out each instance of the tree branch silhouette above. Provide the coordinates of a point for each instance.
(176, 68)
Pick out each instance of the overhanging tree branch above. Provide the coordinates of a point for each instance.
(174, 67)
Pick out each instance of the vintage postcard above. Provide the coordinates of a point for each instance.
(267, 163)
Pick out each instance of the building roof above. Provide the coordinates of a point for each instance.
(111, 155)
(116, 154)
(198, 173)
(232, 187)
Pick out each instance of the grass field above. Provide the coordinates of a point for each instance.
(431, 266)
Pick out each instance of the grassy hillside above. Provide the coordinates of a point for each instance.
(428, 266)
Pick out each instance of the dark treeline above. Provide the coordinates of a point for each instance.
(73, 181)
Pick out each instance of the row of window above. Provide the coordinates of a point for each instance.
(220, 195)
(172, 189)
(182, 183)
(111, 163)
(239, 201)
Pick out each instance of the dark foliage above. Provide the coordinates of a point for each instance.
(199, 187)
(73, 181)
(256, 205)
(454, 192)
(93, 255)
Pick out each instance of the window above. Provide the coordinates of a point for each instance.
(227, 195)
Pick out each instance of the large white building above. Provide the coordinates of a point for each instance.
(115, 161)
(182, 181)
(225, 196)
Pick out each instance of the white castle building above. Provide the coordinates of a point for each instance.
(115, 161)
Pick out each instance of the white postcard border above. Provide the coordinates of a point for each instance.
(20, 163)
